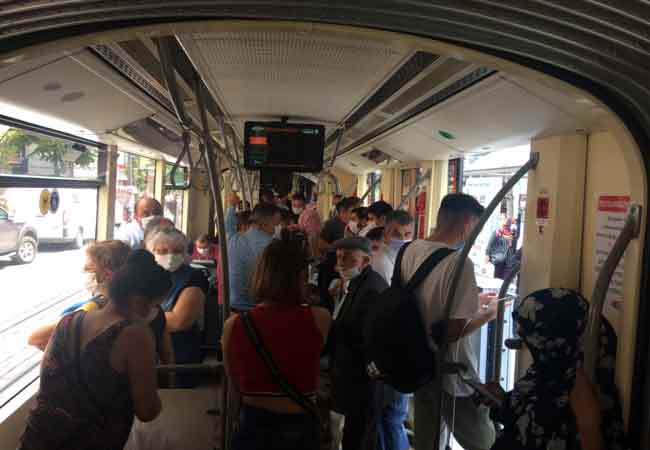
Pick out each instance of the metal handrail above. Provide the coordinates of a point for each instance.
(458, 271)
(332, 178)
(206, 369)
(338, 145)
(592, 333)
(370, 188)
(186, 150)
(415, 188)
(497, 343)
(213, 171)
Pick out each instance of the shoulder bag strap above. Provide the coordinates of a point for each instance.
(277, 377)
(397, 269)
(427, 266)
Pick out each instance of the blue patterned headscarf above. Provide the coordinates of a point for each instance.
(537, 413)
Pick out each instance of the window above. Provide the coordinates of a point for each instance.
(136, 177)
(28, 153)
(41, 260)
(174, 198)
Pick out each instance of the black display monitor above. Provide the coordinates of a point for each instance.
(289, 146)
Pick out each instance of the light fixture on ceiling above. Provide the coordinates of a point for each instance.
(446, 135)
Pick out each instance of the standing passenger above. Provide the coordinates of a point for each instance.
(358, 221)
(243, 251)
(501, 248)
(146, 209)
(98, 369)
(457, 216)
(294, 335)
(230, 219)
(308, 220)
(354, 394)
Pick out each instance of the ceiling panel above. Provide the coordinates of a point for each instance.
(313, 75)
(67, 90)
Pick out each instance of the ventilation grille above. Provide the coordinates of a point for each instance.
(409, 70)
(438, 76)
(127, 70)
(438, 97)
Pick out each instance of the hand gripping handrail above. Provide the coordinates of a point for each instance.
(415, 188)
(497, 343)
(592, 333)
(457, 273)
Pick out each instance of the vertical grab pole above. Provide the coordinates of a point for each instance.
(592, 333)
(497, 344)
(370, 188)
(415, 188)
(455, 280)
(212, 164)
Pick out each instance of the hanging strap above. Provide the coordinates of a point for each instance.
(255, 338)
(425, 268)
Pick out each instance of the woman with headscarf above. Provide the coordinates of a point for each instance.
(552, 407)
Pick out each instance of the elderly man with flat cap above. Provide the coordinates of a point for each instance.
(353, 393)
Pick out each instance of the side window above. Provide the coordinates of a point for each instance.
(3, 215)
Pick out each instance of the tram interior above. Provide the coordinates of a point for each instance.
(405, 107)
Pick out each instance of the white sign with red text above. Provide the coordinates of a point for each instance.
(612, 212)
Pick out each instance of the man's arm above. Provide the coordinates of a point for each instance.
(230, 221)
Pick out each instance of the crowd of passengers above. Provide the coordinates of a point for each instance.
(300, 290)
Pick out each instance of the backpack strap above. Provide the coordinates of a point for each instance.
(397, 269)
(427, 266)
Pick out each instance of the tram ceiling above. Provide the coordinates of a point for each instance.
(601, 46)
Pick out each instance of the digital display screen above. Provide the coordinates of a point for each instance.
(277, 145)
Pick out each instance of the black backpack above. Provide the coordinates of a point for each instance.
(397, 346)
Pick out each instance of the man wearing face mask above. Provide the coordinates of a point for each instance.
(473, 430)
(184, 304)
(358, 221)
(245, 248)
(146, 209)
(354, 394)
(397, 231)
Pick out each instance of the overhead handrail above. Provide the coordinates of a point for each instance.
(592, 332)
(419, 180)
(457, 273)
(370, 188)
(497, 343)
(186, 150)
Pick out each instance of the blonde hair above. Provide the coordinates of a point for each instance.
(108, 255)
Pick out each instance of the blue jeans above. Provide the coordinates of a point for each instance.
(260, 429)
(390, 430)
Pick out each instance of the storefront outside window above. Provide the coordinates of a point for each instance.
(136, 178)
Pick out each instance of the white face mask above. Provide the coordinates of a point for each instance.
(348, 274)
(277, 231)
(354, 226)
(202, 250)
(146, 220)
(297, 211)
(171, 261)
(91, 282)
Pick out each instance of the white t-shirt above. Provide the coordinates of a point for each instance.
(132, 234)
(383, 264)
(432, 296)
